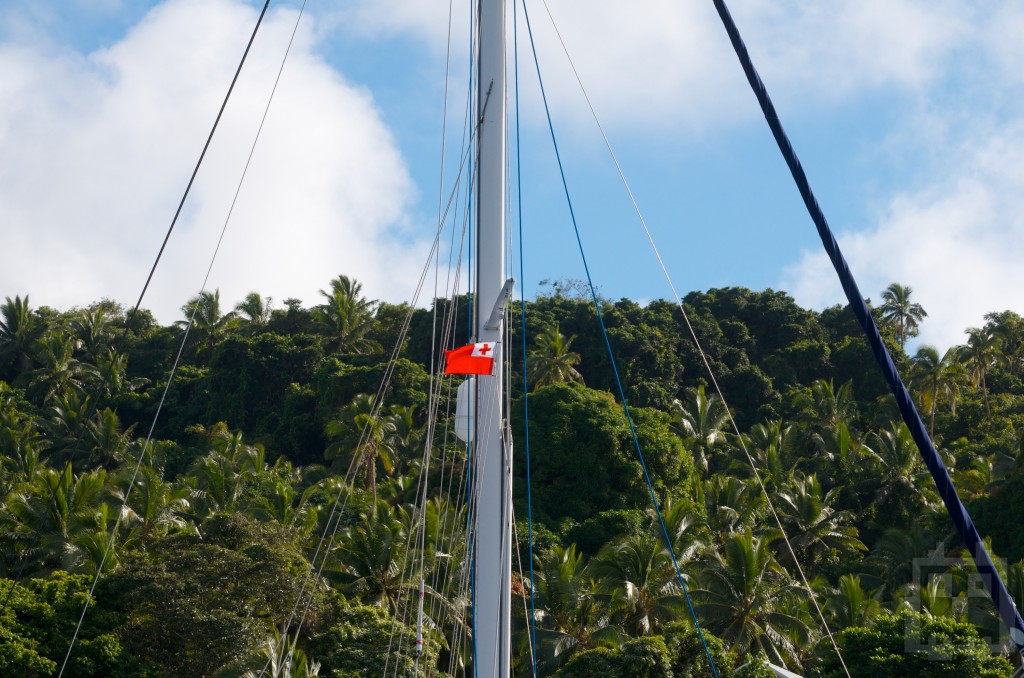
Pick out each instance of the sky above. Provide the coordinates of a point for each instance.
(906, 114)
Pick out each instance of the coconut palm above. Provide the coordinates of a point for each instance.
(346, 316)
(112, 375)
(828, 406)
(221, 479)
(770, 444)
(701, 420)
(59, 370)
(977, 356)
(896, 469)
(360, 431)
(936, 380)
(58, 521)
(551, 361)
(569, 616)
(155, 507)
(817, 531)
(851, 605)
(206, 323)
(255, 310)
(748, 600)
(92, 330)
(17, 332)
(637, 578)
(901, 313)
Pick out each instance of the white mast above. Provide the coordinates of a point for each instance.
(492, 461)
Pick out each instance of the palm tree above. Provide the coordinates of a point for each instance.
(17, 332)
(977, 356)
(206, 322)
(936, 379)
(826, 405)
(701, 420)
(255, 309)
(747, 599)
(771, 446)
(569, 617)
(56, 522)
(895, 465)
(155, 507)
(551, 361)
(60, 371)
(901, 313)
(637, 578)
(816, 530)
(850, 605)
(346, 316)
(92, 330)
(361, 431)
(1008, 328)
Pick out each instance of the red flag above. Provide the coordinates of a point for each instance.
(471, 359)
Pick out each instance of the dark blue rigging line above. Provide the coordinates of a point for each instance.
(961, 518)
(611, 355)
(526, 385)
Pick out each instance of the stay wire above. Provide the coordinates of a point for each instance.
(195, 308)
(696, 341)
(526, 384)
(611, 356)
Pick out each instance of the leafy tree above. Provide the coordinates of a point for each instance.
(901, 313)
(194, 605)
(638, 658)
(38, 619)
(944, 648)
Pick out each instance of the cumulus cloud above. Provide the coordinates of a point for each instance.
(958, 243)
(669, 64)
(98, 147)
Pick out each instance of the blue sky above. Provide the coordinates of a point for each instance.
(906, 115)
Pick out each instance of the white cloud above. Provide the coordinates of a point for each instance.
(958, 243)
(98, 147)
(670, 64)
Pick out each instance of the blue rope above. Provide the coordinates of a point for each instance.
(526, 385)
(611, 356)
(961, 518)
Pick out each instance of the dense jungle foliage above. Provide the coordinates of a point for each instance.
(275, 524)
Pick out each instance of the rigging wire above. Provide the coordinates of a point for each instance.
(611, 356)
(697, 343)
(526, 385)
(195, 308)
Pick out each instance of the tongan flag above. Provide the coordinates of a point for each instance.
(471, 359)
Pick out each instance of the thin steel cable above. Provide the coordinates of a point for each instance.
(611, 356)
(696, 341)
(526, 383)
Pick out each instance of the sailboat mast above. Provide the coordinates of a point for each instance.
(492, 452)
